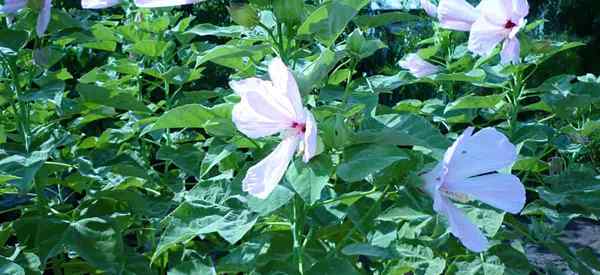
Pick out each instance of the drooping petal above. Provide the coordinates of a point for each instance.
(429, 8)
(163, 3)
(285, 84)
(310, 137)
(258, 114)
(98, 4)
(486, 151)
(417, 66)
(263, 177)
(485, 36)
(511, 51)
(13, 6)
(461, 227)
(44, 18)
(456, 14)
(503, 191)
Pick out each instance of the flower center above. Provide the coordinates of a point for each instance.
(300, 127)
(459, 197)
(509, 24)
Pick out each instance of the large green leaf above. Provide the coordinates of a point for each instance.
(309, 179)
(361, 161)
(186, 116)
(103, 96)
(328, 21)
(399, 129)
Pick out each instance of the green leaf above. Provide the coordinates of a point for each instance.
(103, 96)
(151, 48)
(186, 116)
(207, 29)
(309, 179)
(476, 75)
(400, 129)
(98, 242)
(191, 267)
(244, 257)
(475, 102)
(567, 95)
(328, 21)
(332, 265)
(367, 250)
(8, 267)
(223, 54)
(187, 157)
(12, 39)
(20, 170)
(360, 47)
(362, 160)
(384, 19)
(314, 74)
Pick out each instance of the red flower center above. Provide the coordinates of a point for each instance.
(510, 24)
(300, 127)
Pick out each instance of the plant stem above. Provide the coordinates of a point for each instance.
(515, 94)
(297, 223)
(348, 90)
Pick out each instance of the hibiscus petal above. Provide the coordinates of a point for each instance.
(417, 66)
(253, 124)
(486, 151)
(285, 84)
(163, 3)
(485, 36)
(263, 177)
(456, 14)
(496, 12)
(310, 137)
(433, 179)
(259, 113)
(13, 6)
(520, 8)
(511, 51)
(461, 227)
(44, 18)
(503, 191)
(98, 4)
(429, 8)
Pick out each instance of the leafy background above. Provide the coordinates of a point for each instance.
(118, 155)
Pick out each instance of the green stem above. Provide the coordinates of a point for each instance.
(348, 90)
(515, 94)
(297, 223)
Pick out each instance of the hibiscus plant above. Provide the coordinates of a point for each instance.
(293, 137)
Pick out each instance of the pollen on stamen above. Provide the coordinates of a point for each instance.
(509, 24)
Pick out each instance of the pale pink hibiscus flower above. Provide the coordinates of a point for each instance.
(99, 4)
(500, 21)
(13, 6)
(467, 172)
(457, 15)
(267, 108)
(417, 66)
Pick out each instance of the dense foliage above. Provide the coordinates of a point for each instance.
(118, 153)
